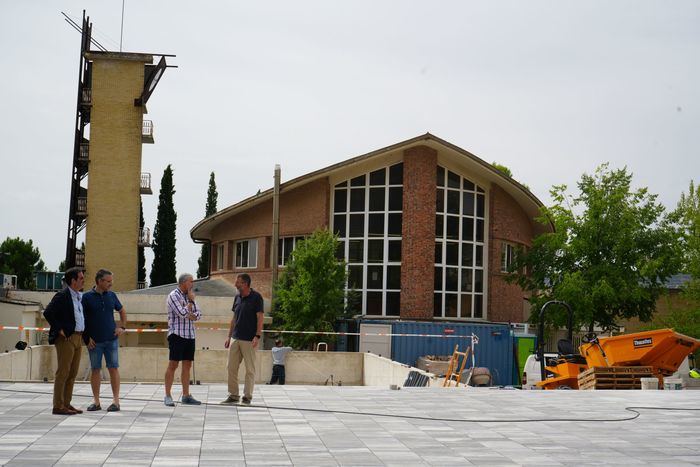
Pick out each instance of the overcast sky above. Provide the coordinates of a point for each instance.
(550, 89)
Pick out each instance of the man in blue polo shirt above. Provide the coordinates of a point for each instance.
(245, 329)
(102, 336)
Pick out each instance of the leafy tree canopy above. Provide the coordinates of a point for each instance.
(502, 168)
(163, 267)
(141, 271)
(687, 217)
(310, 292)
(22, 259)
(610, 253)
(684, 314)
(203, 266)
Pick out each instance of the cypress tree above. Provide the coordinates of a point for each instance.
(163, 268)
(141, 272)
(204, 259)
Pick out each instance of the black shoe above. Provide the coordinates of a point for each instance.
(230, 400)
(245, 401)
(94, 407)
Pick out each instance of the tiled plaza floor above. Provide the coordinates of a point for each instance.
(146, 432)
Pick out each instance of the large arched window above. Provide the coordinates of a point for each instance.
(459, 247)
(367, 217)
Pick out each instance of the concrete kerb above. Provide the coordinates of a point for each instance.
(141, 365)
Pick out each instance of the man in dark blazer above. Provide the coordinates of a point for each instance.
(65, 316)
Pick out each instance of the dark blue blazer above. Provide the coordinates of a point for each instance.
(60, 315)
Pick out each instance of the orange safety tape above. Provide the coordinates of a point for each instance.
(276, 331)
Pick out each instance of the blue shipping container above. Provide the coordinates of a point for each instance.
(494, 350)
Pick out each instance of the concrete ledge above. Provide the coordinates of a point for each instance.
(139, 364)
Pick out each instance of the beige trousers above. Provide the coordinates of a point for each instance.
(241, 351)
(68, 357)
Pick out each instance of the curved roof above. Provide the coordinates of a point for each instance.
(525, 198)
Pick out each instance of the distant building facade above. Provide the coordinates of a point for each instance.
(427, 229)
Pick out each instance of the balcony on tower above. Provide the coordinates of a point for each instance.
(145, 237)
(86, 97)
(80, 258)
(147, 132)
(81, 209)
(84, 152)
(146, 183)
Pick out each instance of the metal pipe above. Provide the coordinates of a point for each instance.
(275, 235)
(540, 331)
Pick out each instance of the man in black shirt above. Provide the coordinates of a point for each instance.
(245, 329)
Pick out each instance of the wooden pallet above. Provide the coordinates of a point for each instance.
(620, 377)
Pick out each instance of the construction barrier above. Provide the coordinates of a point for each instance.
(474, 338)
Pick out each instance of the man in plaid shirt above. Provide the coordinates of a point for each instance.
(182, 313)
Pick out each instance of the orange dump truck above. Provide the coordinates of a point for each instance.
(662, 349)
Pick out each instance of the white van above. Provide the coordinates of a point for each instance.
(532, 372)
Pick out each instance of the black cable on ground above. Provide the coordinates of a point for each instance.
(634, 409)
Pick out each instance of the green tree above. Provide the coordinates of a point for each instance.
(684, 315)
(141, 272)
(205, 257)
(610, 253)
(687, 218)
(21, 259)
(502, 168)
(311, 290)
(62, 266)
(163, 267)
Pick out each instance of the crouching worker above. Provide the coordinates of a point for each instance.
(279, 354)
(102, 336)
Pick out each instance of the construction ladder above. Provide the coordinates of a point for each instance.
(454, 363)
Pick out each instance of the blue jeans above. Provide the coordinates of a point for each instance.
(277, 374)
(109, 349)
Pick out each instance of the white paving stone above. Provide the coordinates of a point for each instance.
(320, 426)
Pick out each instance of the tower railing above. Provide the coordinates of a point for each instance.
(86, 96)
(147, 131)
(146, 183)
(84, 154)
(82, 206)
(144, 237)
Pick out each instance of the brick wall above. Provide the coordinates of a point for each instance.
(418, 233)
(302, 211)
(507, 223)
(112, 229)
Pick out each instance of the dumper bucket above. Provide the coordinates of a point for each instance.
(662, 349)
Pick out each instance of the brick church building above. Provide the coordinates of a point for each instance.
(427, 230)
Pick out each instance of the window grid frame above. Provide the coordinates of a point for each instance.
(220, 256)
(385, 238)
(474, 243)
(247, 242)
(280, 252)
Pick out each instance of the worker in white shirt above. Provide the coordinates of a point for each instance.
(279, 353)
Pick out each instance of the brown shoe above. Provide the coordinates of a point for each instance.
(62, 411)
(70, 407)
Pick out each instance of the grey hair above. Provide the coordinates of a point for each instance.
(184, 277)
(101, 273)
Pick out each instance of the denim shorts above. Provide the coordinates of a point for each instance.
(110, 351)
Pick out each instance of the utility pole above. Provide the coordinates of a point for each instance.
(275, 234)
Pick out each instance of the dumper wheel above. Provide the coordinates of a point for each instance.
(564, 386)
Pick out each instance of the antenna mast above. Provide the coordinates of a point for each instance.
(121, 36)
